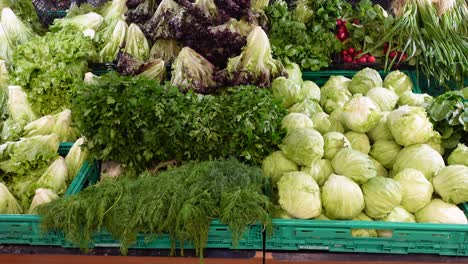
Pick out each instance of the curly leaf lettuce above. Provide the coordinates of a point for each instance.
(50, 67)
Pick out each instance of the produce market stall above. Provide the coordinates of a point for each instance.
(233, 131)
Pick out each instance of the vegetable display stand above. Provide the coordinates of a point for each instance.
(219, 237)
(25, 229)
(335, 236)
(321, 77)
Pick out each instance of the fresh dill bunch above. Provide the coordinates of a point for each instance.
(180, 202)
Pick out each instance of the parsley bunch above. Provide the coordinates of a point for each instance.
(138, 122)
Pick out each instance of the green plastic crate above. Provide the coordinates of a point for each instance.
(321, 77)
(25, 229)
(219, 237)
(433, 87)
(335, 236)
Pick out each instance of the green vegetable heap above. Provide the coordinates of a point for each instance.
(135, 121)
(180, 202)
(371, 155)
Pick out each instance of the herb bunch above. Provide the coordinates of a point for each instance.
(180, 202)
(137, 122)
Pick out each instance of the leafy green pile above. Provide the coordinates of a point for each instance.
(372, 23)
(305, 34)
(49, 68)
(449, 114)
(180, 202)
(136, 122)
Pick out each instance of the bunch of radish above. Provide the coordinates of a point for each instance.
(342, 33)
(350, 55)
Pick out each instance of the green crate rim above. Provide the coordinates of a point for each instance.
(51, 238)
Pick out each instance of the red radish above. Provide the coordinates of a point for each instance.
(371, 59)
(355, 61)
(359, 52)
(351, 50)
(339, 22)
(393, 54)
(356, 21)
(404, 57)
(348, 59)
(362, 59)
(385, 45)
(344, 52)
(341, 35)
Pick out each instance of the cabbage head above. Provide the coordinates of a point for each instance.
(438, 211)
(381, 171)
(41, 126)
(398, 214)
(75, 158)
(42, 196)
(435, 142)
(336, 121)
(286, 90)
(335, 93)
(334, 141)
(18, 105)
(16, 30)
(385, 152)
(398, 82)
(381, 130)
(363, 232)
(412, 99)
(55, 177)
(136, 44)
(296, 120)
(307, 107)
(361, 114)
(451, 183)
(294, 73)
(320, 171)
(459, 156)
(354, 164)
(83, 22)
(299, 195)
(417, 190)
(359, 141)
(304, 146)
(420, 157)
(8, 203)
(310, 90)
(381, 196)
(364, 80)
(276, 164)
(384, 98)
(321, 122)
(342, 198)
(410, 125)
(63, 126)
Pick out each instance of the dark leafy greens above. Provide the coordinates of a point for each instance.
(137, 122)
